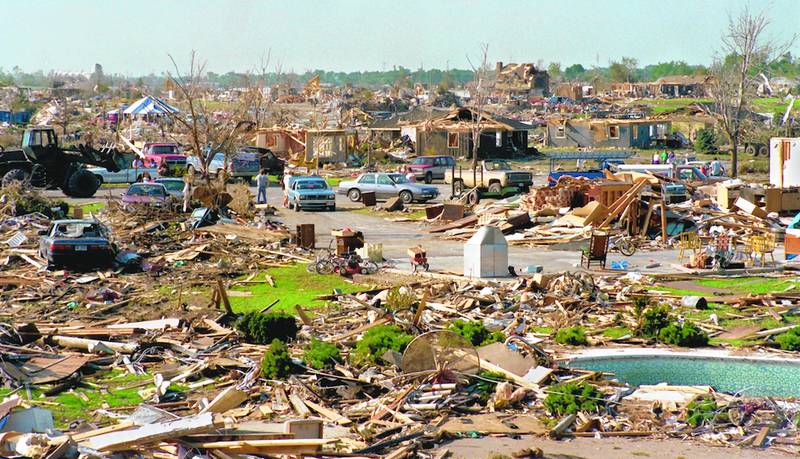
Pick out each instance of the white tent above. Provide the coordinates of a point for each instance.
(149, 106)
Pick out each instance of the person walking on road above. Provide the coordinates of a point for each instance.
(262, 182)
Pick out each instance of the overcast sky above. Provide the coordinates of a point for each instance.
(135, 36)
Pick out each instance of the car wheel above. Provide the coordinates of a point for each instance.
(297, 207)
(428, 178)
(495, 188)
(332, 208)
(15, 175)
(354, 195)
(406, 197)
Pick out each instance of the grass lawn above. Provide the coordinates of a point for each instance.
(293, 285)
(110, 390)
(668, 105)
(93, 207)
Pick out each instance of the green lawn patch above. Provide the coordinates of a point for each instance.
(93, 207)
(755, 285)
(617, 332)
(293, 285)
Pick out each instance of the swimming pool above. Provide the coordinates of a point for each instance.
(750, 376)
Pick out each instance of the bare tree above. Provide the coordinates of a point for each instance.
(743, 46)
(478, 100)
(204, 129)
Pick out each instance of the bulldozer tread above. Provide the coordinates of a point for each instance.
(81, 184)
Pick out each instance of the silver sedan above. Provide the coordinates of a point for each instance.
(387, 185)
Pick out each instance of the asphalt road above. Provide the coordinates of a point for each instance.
(396, 237)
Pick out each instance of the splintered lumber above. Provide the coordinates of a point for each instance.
(228, 399)
(292, 446)
(79, 437)
(246, 232)
(361, 329)
(93, 345)
(329, 414)
(152, 433)
(223, 295)
(299, 406)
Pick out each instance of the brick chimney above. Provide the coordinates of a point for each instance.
(498, 67)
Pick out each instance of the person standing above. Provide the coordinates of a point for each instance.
(187, 192)
(262, 182)
(664, 157)
(716, 167)
(287, 183)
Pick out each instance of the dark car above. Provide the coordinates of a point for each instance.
(76, 243)
(146, 194)
(268, 160)
(430, 168)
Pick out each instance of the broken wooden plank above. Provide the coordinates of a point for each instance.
(153, 433)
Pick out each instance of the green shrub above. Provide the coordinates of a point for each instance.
(319, 355)
(688, 335)
(702, 410)
(400, 299)
(706, 141)
(570, 398)
(653, 320)
(259, 328)
(276, 363)
(789, 341)
(377, 340)
(574, 336)
(475, 332)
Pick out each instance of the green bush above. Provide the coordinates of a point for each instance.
(570, 398)
(789, 341)
(487, 382)
(706, 141)
(574, 336)
(377, 340)
(475, 332)
(653, 320)
(276, 363)
(320, 355)
(259, 328)
(702, 410)
(688, 335)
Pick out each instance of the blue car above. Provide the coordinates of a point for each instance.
(310, 193)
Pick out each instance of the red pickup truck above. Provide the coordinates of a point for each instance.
(165, 152)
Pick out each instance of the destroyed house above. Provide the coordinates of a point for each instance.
(521, 79)
(281, 141)
(606, 133)
(682, 86)
(451, 135)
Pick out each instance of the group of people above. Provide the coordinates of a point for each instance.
(663, 157)
(163, 168)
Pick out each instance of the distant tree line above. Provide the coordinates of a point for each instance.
(625, 69)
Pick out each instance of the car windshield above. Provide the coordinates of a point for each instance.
(398, 178)
(312, 185)
(163, 149)
(497, 166)
(77, 230)
(244, 156)
(172, 185)
(146, 190)
(422, 161)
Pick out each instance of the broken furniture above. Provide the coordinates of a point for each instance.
(306, 235)
(688, 242)
(597, 251)
(347, 241)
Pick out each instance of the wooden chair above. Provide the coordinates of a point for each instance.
(764, 245)
(688, 242)
(597, 252)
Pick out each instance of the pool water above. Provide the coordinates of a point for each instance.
(750, 377)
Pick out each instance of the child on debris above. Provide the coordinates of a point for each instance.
(262, 182)
(187, 192)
